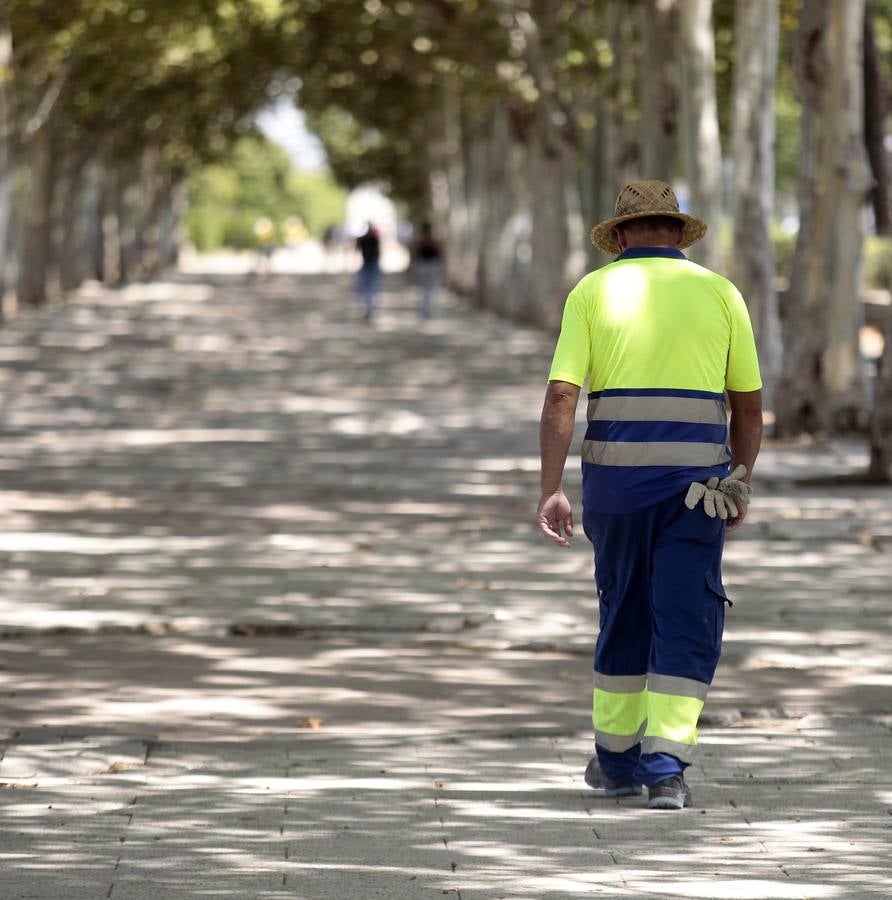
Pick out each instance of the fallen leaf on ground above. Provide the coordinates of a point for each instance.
(313, 723)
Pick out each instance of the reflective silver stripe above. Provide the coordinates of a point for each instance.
(657, 409)
(620, 684)
(685, 752)
(655, 453)
(619, 743)
(678, 687)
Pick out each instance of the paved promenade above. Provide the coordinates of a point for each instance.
(275, 623)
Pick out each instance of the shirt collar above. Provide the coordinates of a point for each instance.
(641, 252)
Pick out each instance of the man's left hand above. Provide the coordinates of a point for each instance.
(555, 518)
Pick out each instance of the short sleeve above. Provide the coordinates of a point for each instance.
(743, 361)
(571, 355)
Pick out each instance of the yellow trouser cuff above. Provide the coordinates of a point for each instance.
(673, 718)
(619, 714)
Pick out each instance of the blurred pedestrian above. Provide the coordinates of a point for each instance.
(427, 262)
(660, 340)
(294, 231)
(369, 275)
(265, 236)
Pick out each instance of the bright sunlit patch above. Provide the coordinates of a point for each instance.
(624, 288)
(332, 783)
(167, 290)
(736, 889)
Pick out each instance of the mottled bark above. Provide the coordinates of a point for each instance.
(109, 237)
(506, 185)
(173, 228)
(822, 384)
(550, 169)
(128, 192)
(658, 88)
(94, 246)
(700, 124)
(158, 187)
(5, 155)
(34, 250)
(457, 152)
(613, 156)
(505, 251)
(753, 265)
(68, 226)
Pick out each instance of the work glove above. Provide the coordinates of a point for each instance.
(721, 498)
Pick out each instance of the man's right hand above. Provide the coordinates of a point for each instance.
(734, 522)
(555, 518)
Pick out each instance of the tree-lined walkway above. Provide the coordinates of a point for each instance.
(276, 623)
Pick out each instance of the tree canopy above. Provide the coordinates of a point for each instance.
(511, 122)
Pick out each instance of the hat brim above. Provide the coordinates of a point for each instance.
(604, 237)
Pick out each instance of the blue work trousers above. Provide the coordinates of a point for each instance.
(662, 613)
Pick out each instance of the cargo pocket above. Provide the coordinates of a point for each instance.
(604, 590)
(717, 590)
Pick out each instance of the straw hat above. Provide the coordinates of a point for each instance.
(646, 198)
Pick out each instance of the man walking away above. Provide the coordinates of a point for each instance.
(662, 342)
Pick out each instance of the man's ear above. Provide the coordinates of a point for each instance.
(621, 237)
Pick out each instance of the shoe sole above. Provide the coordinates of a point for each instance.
(671, 802)
(632, 790)
(665, 803)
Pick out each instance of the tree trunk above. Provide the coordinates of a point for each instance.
(127, 197)
(875, 107)
(5, 156)
(34, 255)
(757, 26)
(74, 258)
(881, 419)
(610, 155)
(92, 212)
(67, 245)
(550, 239)
(458, 152)
(504, 252)
(658, 88)
(700, 125)
(172, 234)
(822, 384)
(157, 192)
(108, 241)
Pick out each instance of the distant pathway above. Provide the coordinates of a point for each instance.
(276, 624)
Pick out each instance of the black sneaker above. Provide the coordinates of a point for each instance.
(607, 787)
(672, 793)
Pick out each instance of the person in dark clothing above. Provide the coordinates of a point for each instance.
(427, 261)
(369, 275)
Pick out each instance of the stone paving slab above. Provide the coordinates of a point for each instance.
(274, 623)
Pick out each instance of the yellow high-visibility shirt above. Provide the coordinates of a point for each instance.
(656, 321)
(659, 339)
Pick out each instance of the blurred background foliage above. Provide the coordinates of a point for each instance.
(258, 179)
(510, 123)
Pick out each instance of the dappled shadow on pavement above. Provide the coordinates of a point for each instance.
(213, 767)
(275, 623)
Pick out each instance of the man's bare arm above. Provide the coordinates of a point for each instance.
(745, 437)
(746, 429)
(554, 516)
